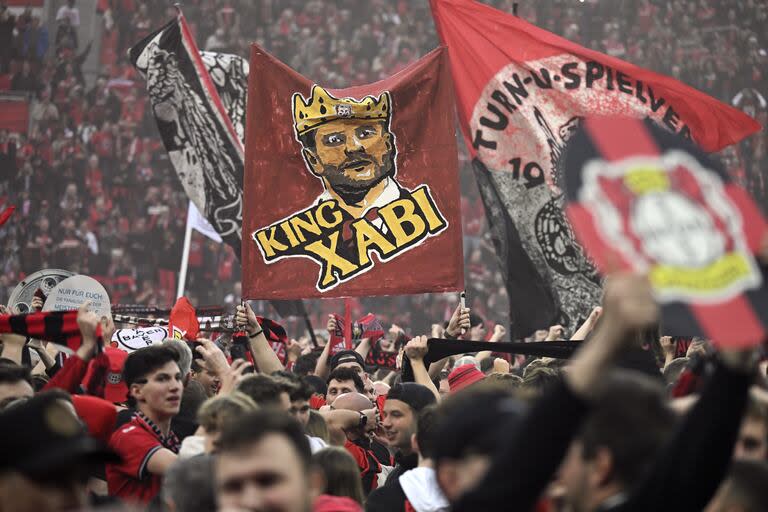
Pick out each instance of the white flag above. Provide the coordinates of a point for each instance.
(198, 222)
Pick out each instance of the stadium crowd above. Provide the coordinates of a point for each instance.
(189, 425)
(632, 421)
(94, 188)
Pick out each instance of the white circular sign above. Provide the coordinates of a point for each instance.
(72, 292)
(134, 339)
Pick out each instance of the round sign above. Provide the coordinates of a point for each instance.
(47, 280)
(72, 292)
(134, 339)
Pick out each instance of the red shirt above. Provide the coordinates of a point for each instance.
(367, 463)
(135, 442)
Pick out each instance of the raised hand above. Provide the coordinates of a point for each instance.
(459, 322)
(628, 303)
(416, 349)
(87, 322)
(500, 365)
(555, 333)
(214, 358)
(293, 349)
(498, 332)
(232, 378)
(246, 319)
(668, 347)
(37, 304)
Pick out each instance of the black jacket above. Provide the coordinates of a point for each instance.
(684, 477)
(389, 498)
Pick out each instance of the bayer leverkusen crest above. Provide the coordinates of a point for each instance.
(647, 201)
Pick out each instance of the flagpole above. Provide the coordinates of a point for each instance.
(185, 258)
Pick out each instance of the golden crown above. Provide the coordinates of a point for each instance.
(322, 108)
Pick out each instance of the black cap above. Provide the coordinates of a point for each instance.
(415, 395)
(44, 435)
(476, 422)
(347, 356)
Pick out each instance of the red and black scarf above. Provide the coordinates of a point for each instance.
(59, 327)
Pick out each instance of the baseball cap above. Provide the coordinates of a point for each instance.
(415, 395)
(44, 436)
(347, 356)
(463, 376)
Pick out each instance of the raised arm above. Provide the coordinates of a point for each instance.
(498, 332)
(364, 347)
(416, 350)
(690, 468)
(526, 462)
(263, 355)
(339, 420)
(322, 369)
(588, 326)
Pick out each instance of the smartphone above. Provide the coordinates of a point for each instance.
(239, 351)
(195, 353)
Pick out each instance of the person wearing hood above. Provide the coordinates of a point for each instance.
(416, 488)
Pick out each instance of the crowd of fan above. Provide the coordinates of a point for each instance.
(97, 195)
(189, 425)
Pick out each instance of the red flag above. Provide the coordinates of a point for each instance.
(184, 316)
(6, 214)
(347, 331)
(369, 327)
(350, 192)
(337, 338)
(488, 47)
(276, 335)
(645, 201)
(347, 324)
(521, 93)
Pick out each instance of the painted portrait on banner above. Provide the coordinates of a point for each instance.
(366, 201)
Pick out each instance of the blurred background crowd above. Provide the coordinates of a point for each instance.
(96, 194)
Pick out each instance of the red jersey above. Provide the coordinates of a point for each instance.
(367, 463)
(130, 480)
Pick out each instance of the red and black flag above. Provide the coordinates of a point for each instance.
(647, 201)
(521, 93)
(276, 336)
(337, 338)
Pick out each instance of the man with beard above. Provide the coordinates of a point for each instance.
(351, 149)
(349, 146)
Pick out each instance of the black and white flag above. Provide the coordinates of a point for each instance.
(198, 100)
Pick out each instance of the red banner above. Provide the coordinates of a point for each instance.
(521, 94)
(505, 68)
(350, 192)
